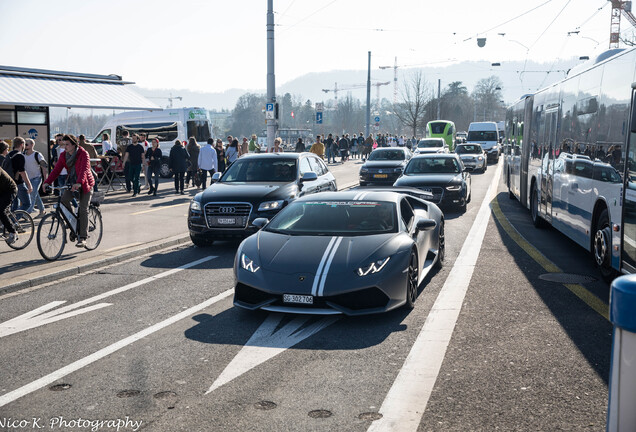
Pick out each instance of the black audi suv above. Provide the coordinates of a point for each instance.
(254, 186)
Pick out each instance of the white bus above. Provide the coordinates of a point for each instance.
(568, 159)
(167, 125)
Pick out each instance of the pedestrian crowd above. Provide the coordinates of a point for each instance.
(24, 170)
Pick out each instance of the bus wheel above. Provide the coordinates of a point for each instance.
(534, 209)
(602, 247)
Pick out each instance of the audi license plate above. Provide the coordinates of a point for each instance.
(294, 298)
(380, 175)
(226, 221)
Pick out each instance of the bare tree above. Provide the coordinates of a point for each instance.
(487, 96)
(415, 94)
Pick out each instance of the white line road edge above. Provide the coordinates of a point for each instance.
(404, 405)
(39, 316)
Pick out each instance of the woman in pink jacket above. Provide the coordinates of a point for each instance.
(77, 163)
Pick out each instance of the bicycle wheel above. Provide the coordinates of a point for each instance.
(94, 228)
(23, 224)
(51, 236)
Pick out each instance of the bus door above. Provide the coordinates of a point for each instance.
(628, 251)
(547, 163)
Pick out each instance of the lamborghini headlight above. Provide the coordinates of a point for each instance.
(248, 264)
(374, 267)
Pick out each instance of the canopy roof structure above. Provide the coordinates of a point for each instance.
(38, 87)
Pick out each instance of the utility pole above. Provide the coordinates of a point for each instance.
(366, 132)
(439, 96)
(271, 81)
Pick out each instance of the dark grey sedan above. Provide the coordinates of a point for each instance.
(441, 175)
(384, 166)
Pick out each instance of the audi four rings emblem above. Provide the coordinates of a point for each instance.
(227, 210)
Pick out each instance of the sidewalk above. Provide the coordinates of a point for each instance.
(132, 227)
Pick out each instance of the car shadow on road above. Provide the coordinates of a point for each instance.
(236, 327)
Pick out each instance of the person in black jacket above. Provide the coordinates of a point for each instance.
(178, 165)
(153, 158)
(300, 146)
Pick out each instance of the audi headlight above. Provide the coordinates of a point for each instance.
(271, 205)
(248, 264)
(195, 205)
(453, 188)
(374, 267)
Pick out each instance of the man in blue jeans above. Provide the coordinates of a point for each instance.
(22, 179)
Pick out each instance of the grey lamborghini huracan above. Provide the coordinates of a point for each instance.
(354, 252)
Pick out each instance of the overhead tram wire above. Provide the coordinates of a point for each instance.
(549, 25)
(518, 16)
(593, 15)
(308, 16)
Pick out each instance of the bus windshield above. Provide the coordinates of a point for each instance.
(199, 129)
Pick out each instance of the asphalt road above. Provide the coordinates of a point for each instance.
(155, 340)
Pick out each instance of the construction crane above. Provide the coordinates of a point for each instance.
(619, 7)
(335, 89)
(395, 68)
(170, 99)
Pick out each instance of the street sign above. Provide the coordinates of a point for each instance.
(377, 119)
(269, 111)
(319, 117)
(319, 106)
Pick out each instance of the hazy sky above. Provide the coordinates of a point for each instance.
(215, 45)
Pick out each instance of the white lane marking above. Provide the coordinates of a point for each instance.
(39, 316)
(314, 287)
(79, 364)
(267, 342)
(406, 401)
(323, 278)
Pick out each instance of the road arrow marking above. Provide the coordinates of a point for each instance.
(40, 316)
(268, 341)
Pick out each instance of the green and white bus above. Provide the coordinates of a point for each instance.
(442, 129)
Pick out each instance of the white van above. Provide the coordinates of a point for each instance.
(486, 135)
(168, 125)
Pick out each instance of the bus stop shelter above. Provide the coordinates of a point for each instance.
(27, 94)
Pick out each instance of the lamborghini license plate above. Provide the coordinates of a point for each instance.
(294, 298)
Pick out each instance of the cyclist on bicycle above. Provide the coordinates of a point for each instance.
(8, 192)
(77, 163)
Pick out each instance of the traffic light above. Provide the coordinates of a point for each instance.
(276, 111)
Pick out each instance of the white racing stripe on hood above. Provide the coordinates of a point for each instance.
(314, 287)
(321, 288)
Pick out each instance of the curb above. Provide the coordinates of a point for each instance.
(89, 266)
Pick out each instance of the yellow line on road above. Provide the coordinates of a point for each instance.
(578, 290)
(158, 208)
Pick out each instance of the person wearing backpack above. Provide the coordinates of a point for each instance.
(35, 166)
(20, 176)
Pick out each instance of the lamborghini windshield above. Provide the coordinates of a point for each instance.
(344, 218)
